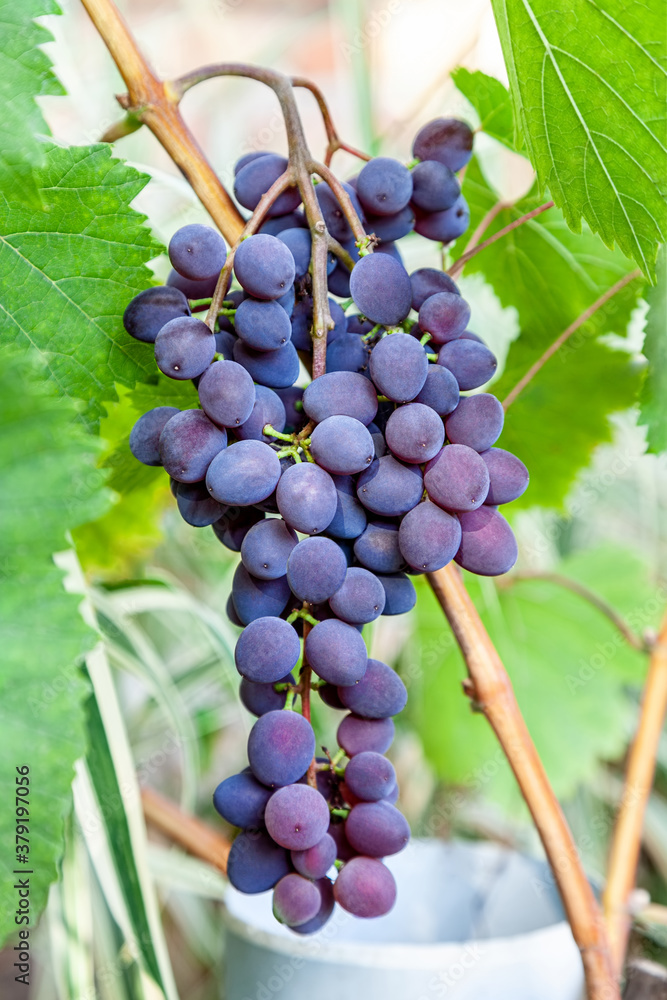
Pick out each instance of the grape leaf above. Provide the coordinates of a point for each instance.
(25, 73)
(654, 390)
(589, 86)
(69, 270)
(550, 276)
(565, 661)
(491, 101)
(49, 483)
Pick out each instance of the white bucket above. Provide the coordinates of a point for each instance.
(472, 921)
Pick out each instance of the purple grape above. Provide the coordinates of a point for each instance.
(508, 476)
(188, 444)
(329, 695)
(384, 186)
(255, 598)
(234, 524)
(398, 367)
(348, 353)
(264, 267)
(277, 225)
(415, 433)
(145, 435)
(356, 735)
(457, 479)
(336, 652)
(197, 252)
(445, 316)
(266, 548)
(381, 289)
(350, 518)
(447, 140)
(224, 344)
(256, 863)
(400, 594)
(389, 228)
(184, 348)
(316, 568)
(429, 537)
(316, 861)
(376, 829)
(332, 213)
(241, 800)
(327, 903)
(365, 887)
(360, 598)
(267, 409)
(302, 323)
(281, 745)
(255, 178)
(151, 309)
(476, 422)
(435, 187)
(342, 445)
(488, 546)
(261, 325)
(377, 549)
(196, 506)
(444, 227)
(295, 418)
(379, 443)
(244, 474)
(306, 498)
(299, 242)
(428, 281)
(471, 364)
(192, 289)
(248, 158)
(226, 393)
(339, 281)
(267, 650)
(296, 900)
(344, 851)
(297, 817)
(378, 695)
(370, 776)
(276, 369)
(440, 391)
(340, 394)
(469, 335)
(390, 488)
(262, 698)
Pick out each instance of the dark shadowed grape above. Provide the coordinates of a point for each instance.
(327, 903)
(444, 227)
(292, 399)
(476, 422)
(472, 364)
(148, 311)
(224, 344)
(263, 326)
(297, 817)
(377, 549)
(388, 228)
(360, 598)
(268, 409)
(415, 433)
(248, 158)
(370, 776)
(276, 369)
(508, 476)
(296, 900)
(262, 698)
(378, 695)
(256, 863)
(332, 212)
(234, 524)
(384, 186)
(196, 505)
(340, 394)
(365, 887)
(255, 178)
(264, 266)
(356, 735)
(244, 474)
(266, 548)
(241, 800)
(390, 488)
(266, 650)
(429, 537)
(184, 348)
(377, 829)
(344, 851)
(398, 366)
(316, 861)
(316, 568)
(192, 289)
(447, 140)
(445, 316)
(145, 435)
(457, 479)
(339, 281)
(435, 187)
(302, 323)
(440, 391)
(188, 444)
(299, 242)
(281, 745)
(329, 695)
(348, 353)
(350, 518)
(336, 652)
(255, 598)
(306, 498)
(400, 593)
(293, 220)
(488, 546)
(226, 393)
(342, 445)
(428, 281)
(381, 289)
(197, 252)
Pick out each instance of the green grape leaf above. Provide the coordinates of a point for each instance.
(564, 658)
(551, 276)
(49, 483)
(25, 73)
(589, 86)
(68, 272)
(654, 390)
(491, 101)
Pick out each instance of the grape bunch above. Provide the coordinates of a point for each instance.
(335, 495)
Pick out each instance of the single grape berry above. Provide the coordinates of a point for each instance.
(316, 861)
(415, 433)
(447, 140)
(488, 546)
(262, 698)
(360, 598)
(266, 548)
(145, 435)
(379, 694)
(444, 227)
(197, 252)
(255, 177)
(381, 289)
(376, 829)
(384, 186)
(365, 887)
(471, 363)
(148, 311)
(267, 649)
(306, 498)
(370, 776)
(184, 348)
(356, 735)
(188, 444)
(398, 366)
(336, 652)
(429, 537)
(241, 800)
(281, 745)
(316, 568)
(427, 281)
(264, 266)
(254, 598)
(340, 393)
(226, 393)
(296, 900)
(508, 476)
(400, 594)
(435, 187)
(245, 473)
(263, 326)
(256, 862)
(342, 445)
(476, 422)
(445, 316)
(297, 817)
(268, 409)
(457, 478)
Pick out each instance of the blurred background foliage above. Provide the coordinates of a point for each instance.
(164, 675)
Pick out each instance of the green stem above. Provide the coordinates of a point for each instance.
(272, 432)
